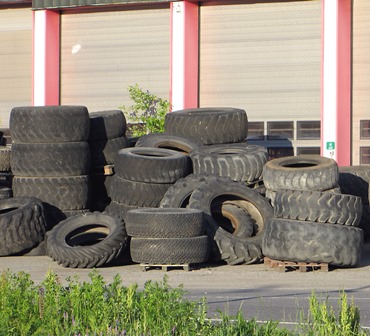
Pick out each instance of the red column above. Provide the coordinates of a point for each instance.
(184, 55)
(336, 81)
(45, 58)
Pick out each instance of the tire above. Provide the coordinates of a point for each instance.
(32, 124)
(208, 126)
(5, 192)
(106, 125)
(104, 152)
(303, 241)
(65, 193)
(22, 224)
(321, 207)
(54, 216)
(239, 161)
(234, 250)
(5, 153)
(87, 241)
(306, 172)
(119, 210)
(164, 223)
(50, 159)
(167, 251)
(151, 165)
(178, 194)
(140, 194)
(166, 141)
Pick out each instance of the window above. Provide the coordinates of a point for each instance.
(365, 129)
(308, 130)
(276, 152)
(308, 150)
(280, 129)
(364, 155)
(256, 130)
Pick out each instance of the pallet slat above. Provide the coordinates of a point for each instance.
(282, 266)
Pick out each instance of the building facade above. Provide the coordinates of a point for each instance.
(299, 68)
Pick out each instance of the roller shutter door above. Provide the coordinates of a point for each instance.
(103, 53)
(15, 61)
(361, 83)
(265, 58)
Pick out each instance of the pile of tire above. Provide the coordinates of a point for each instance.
(142, 177)
(313, 221)
(170, 236)
(50, 158)
(6, 174)
(107, 136)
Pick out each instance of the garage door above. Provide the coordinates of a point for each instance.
(265, 58)
(103, 53)
(15, 61)
(361, 82)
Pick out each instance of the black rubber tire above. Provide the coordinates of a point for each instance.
(167, 251)
(50, 159)
(119, 210)
(53, 215)
(316, 206)
(5, 153)
(165, 223)
(234, 250)
(104, 152)
(151, 165)
(86, 241)
(22, 224)
(106, 125)
(65, 193)
(239, 161)
(99, 192)
(292, 240)
(140, 194)
(49, 124)
(305, 172)
(354, 180)
(167, 141)
(178, 194)
(208, 126)
(5, 192)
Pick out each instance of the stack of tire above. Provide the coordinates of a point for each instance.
(107, 136)
(312, 221)
(142, 177)
(50, 158)
(6, 174)
(170, 236)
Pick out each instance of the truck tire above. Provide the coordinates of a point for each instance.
(119, 210)
(106, 125)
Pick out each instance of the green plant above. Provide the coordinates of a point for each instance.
(147, 114)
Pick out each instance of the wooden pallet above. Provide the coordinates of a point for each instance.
(165, 267)
(283, 266)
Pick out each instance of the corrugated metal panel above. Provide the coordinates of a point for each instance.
(263, 57)
(15, 61)
(103, 53)
(360, 73)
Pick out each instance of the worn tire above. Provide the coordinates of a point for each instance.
(316, 206)
(50, 159)
(119, 210)
(86, 241)
(208, 126)
(151, 165)
(239, 161)
(49, 124)
(22, 224)
(106, 125)
(303, 241)
(5, 154)
(306, 172)
(164, 223)
(65, 193)
(104, 152)
(167, 251)
(234, 250)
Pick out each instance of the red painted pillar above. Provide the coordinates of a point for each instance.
(45, 58)
(336, 81)
(184, 54)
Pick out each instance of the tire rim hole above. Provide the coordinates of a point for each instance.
(87, 235)
(300, 165)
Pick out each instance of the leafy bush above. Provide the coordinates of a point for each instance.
(147, 114)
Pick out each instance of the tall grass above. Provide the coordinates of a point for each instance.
(99, 308)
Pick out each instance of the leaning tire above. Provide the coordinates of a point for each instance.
(22, 224)
(321, 207)
(167, 251)
(303, 241)
(164, 223)
(208, 126)
(306, 172)
(86, 241)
